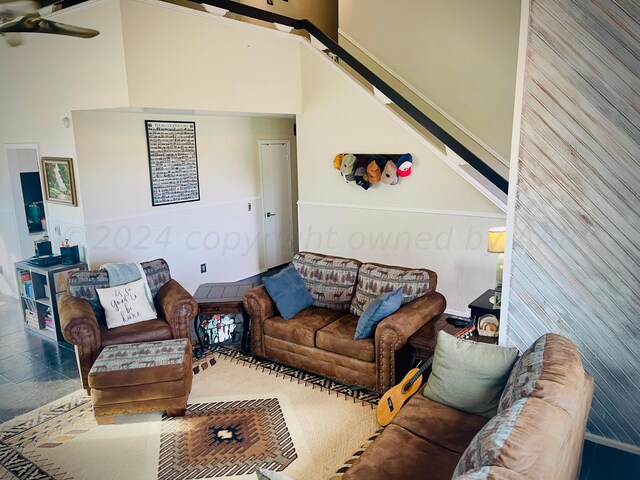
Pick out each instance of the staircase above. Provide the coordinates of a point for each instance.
(483, 169)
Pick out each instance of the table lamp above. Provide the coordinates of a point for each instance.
(495, 244)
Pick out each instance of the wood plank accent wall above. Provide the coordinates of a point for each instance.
(576, 250)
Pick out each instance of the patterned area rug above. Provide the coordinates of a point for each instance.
(243, 414)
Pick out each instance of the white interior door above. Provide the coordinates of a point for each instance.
(276, 198)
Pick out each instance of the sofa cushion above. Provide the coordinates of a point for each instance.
(375, 279)
(331, 281)
(399, 454)
(551, 369)
(376, 311)
(148, 331)
(141, 363)
(469, 376)
(302, 328)
(84, 284)
(445, 426)
(157, 272)
(288, 291)
(526, 438)
(338, 338)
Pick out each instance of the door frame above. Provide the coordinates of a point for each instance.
(19, 216)
(264, 267)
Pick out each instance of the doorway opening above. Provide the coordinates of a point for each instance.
(26, 189)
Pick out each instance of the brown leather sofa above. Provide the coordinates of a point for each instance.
(83, 323)
(538, 432)
(319, 339)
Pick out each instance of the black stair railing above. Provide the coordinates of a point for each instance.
(489, 173)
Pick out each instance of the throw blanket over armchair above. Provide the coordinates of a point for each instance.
(82, 317)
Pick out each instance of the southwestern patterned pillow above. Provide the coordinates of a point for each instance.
(331, 281)
(374, 280)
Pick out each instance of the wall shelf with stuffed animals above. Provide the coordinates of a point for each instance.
(366, 170)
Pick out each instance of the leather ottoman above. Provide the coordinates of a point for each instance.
(141, 377)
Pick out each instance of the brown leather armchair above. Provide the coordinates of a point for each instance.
(82, 317)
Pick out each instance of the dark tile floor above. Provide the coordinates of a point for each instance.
(35, 371)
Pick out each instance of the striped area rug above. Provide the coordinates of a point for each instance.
(243, 414)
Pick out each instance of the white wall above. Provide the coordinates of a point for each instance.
(43, 80)
(185, 59)
(436, 220)
(217, 230)
(460, 54)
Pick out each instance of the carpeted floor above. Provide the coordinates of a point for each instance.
(243, 414)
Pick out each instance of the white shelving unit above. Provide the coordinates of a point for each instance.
(39, 289)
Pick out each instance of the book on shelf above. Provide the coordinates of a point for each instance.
(26, 284)
(48, 323)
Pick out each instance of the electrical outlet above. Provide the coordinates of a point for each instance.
(203, 268)
(249, 207)
(56, 229)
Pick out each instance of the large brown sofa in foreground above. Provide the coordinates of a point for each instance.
(319, 339)
(538, 432)
(82, 317)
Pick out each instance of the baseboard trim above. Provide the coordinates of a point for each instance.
(607, 442)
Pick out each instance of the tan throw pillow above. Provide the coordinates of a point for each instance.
(126, 304)
(469, 376)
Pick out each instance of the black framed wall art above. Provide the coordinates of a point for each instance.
(173, 162)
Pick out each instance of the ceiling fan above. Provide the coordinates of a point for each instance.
(18, 17)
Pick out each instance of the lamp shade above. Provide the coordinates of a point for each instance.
(495, 239)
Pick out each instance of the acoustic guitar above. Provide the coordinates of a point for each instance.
(394, 398)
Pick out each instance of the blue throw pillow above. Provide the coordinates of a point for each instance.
(380, 308)
(287, 289)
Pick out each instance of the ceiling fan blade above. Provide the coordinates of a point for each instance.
(48, 26)
(34, 23)
(13, 9)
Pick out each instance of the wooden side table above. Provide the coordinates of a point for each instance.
(220, 298)
(423, 342)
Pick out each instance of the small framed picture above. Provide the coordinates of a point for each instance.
(59, 181)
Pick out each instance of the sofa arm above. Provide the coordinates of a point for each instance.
(178, 307)
(260, 307)
(80, 328)
(394, 331)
